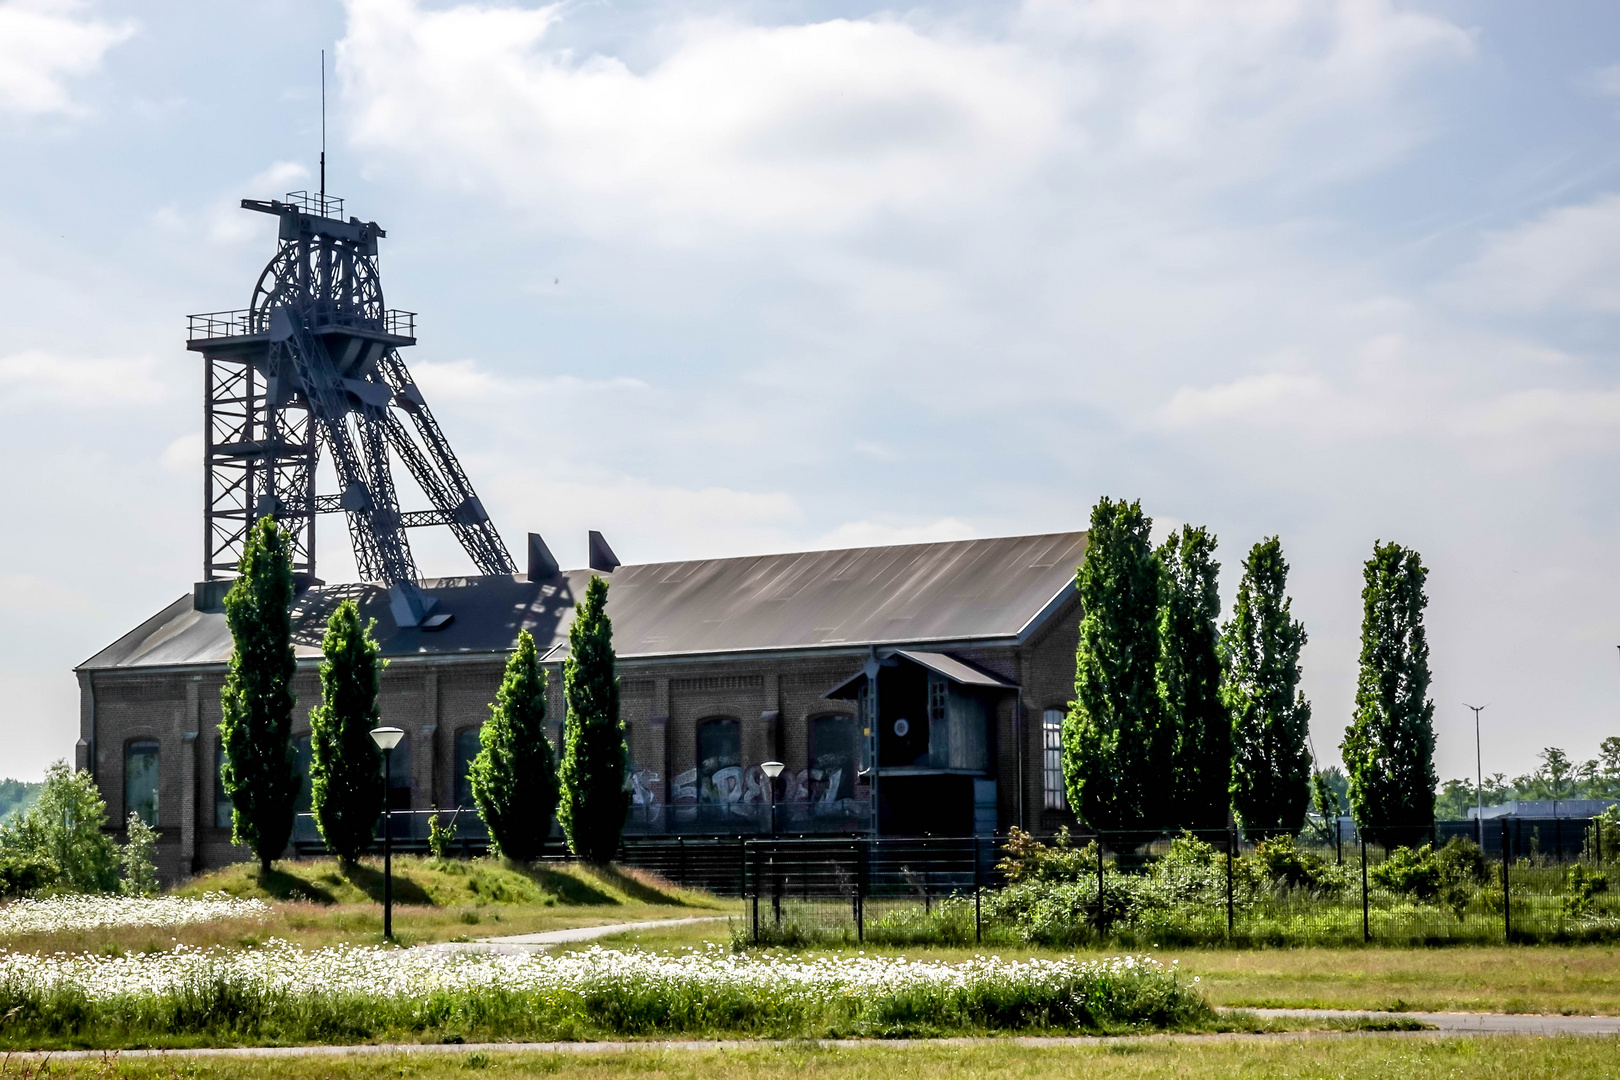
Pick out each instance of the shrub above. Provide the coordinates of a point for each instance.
(1581, 885)
(1028, 859)
(1287, 866)
(23, 873)
(1411, 871)
(441, 837)
(136, 864)
(63, 830)
(1461, 862)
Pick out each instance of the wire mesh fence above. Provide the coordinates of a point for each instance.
(1211, 888)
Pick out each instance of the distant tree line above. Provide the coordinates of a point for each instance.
(1181, 722)
(1557, 777)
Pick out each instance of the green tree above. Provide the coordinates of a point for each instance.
(61, 835)
(260, 771)
(1117, 749)
(1271, 720)
(1190, 680)
(1389, 745)
(345, 766)
(595, 758)
(514, 776)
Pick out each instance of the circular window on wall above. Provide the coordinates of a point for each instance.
(902, 727)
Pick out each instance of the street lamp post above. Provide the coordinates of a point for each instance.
(386, 739)
(1479, 778)
(772, 769)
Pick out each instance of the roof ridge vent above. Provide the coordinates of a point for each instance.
(602, 557)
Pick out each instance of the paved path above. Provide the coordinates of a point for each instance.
(530, 943)
(1465, 1023)
(1443, 1024)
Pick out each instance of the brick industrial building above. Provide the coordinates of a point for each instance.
(723, 664)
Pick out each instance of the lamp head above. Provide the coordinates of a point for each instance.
(387, 738)
(772, 769)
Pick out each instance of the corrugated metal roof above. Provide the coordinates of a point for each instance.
(963, 590)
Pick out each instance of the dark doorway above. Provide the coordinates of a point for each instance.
(933, 805)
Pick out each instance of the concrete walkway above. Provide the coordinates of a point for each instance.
(532, 943)
(1452, 1023)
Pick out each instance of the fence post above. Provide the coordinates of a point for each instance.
(1102, 913)
(755, 879)
(1231, 845)
(680, 874)
(860, 890)
(776, 885)
(1366, 921)
(1338, 838)
(1507, 898)
(742, 866)
(978, 884)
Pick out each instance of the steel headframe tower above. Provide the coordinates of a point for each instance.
(314, 363)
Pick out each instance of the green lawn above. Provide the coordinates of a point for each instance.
(1283, 1058)
(1581, 979)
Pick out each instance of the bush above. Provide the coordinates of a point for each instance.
(1410, 871)
(1581, 885)
(24, 873)
(63, 830)
(1287, 866)
(441, 837)
(135, 862)
(1461, 862)
(1028, 859)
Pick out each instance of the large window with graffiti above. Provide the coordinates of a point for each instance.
(834, 760)
(719, 761)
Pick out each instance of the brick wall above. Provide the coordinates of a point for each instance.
(662, 704)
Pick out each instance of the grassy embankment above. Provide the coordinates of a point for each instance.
(1361, 1057)
(315, 904)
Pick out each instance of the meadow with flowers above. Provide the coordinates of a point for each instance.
(281, 993)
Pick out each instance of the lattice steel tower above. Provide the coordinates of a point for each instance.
(314, 363)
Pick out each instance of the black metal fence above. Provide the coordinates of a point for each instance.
(1216, 888)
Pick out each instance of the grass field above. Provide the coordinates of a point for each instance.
(316, 905)
(1575, 979)
(1283, 1058)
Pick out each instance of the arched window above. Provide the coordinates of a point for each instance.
(399, 773)
(834, 758)
(468, 743)
(141, 780)
(305, 795)
(1055, 795)
(222, 801)
(719, 757)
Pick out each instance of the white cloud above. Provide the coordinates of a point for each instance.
(34, 378)
(44, 45)
(802, 128)
(1605, 81)
(1567, 259)
(184, 455)
(468, 380)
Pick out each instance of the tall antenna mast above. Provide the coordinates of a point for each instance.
(323, 127)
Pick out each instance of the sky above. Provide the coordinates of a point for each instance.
(720, 278)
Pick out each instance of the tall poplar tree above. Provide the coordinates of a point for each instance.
(1389, 745)
(1271, 720)
(595, 757)
(1190, 680)
(1117, 749)
(345, 767)
(514, 776)
(260, 770)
